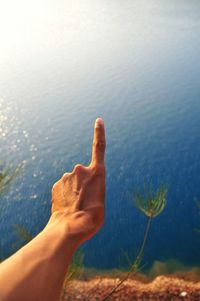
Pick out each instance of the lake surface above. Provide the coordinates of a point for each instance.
(137, 65)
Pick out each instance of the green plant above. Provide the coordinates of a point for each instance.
(75, 270)
(22, 233)
(7, 175)
(23, 236)
(198, 206)
(1, 255)
(151, 204)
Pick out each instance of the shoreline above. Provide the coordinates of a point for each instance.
(163, 287)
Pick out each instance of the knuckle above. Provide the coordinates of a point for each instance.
(99, 144)
(78, 168)
(55, 186)
(65, 176)
(98, 170)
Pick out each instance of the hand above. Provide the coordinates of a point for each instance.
(78, 197)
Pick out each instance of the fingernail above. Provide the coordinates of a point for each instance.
(99, 123)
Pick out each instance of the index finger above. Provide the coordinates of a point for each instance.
(99, 142)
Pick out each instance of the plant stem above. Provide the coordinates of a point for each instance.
(139, 257)
(135, 265)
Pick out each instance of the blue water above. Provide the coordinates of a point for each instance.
(137, 65)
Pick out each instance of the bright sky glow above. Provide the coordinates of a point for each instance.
(21, 25)
(32, 26)
(44, 41)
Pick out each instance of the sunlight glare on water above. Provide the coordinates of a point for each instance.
(137, 65)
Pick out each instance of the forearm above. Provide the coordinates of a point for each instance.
(36, 272)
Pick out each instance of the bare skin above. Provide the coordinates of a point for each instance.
(36, 272)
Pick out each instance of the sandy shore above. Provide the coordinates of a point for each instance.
(162, 288)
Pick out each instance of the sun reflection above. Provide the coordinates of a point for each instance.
(4, 112)
(11, 134)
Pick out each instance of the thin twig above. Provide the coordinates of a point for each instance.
(135, 264)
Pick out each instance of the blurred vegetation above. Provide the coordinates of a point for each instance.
(76, 267)
(75, 270)
(8, 175)
(198, 206)
(151, 204)
(23, 235)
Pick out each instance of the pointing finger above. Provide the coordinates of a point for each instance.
(99, 142)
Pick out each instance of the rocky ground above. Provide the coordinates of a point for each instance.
(162, 288)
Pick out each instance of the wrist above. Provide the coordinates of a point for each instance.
(61, 224)
(77, 226)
